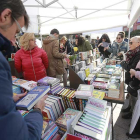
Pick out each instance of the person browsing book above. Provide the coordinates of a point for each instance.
(132, 58)
(104, 42)
(51, 47)
(119, 46)
(83, 44)
(30, 59)
(13, 126)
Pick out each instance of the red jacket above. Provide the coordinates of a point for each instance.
(32, 63)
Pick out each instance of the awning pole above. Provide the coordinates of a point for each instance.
(128, 38)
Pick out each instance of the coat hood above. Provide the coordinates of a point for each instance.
(49, 39)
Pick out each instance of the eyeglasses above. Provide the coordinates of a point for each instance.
(118, 38)
(132, 42)
(19, 27)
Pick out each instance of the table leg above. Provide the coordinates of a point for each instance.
(112, 120)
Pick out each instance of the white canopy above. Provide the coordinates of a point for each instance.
(76, 16)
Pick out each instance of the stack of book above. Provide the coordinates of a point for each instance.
(28, 85)
(49, 130)
(95, 121)
(107, 71)
(67, 119)
(102, 80)
(117, 72)
(84, 87)
(32, 97)
(82, 94)
(54, 84)
(115, 79)
(99, 85)
(104, 76)
(114, 90)
(54, 107)
(68, 96)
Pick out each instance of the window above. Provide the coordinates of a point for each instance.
(138, 27)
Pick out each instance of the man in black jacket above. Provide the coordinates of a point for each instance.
(132, 58)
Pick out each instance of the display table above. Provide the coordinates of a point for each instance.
(14, 71)
(119, 100)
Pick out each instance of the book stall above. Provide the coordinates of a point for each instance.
(81, 111)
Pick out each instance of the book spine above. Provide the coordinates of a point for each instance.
(80, 104)
(83, 104)
(64, 101)
(76, 103)
(69, 102)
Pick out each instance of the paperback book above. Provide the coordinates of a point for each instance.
(32, 97)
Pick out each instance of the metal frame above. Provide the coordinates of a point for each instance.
(65, 8)
(55, 17)
(43, 5)
(103, 8)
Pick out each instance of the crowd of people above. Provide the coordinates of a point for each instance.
(36, 63)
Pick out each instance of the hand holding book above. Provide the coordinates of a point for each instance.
(18, 96)
(41, 103)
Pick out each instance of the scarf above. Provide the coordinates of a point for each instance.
(131, 53)
(119, 43)
(5, 46)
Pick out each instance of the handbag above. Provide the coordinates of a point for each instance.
(133, 86)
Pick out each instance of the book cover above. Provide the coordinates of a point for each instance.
(97, 103)
(84, 87)
(72, 137)
(48, 81)
(29, 85)
(16, 90)
(19, 82)
(99, 85)
(83, 94)
(68, 114)
(32, 97)
(114, 86)
(98, 94)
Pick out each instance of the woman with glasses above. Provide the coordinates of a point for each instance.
(103, 43)
(119, 46)
(30, 59)
(132, 59)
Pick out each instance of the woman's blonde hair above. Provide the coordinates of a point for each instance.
(63, 38)
(24, 40)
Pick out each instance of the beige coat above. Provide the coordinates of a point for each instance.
(51, 46)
